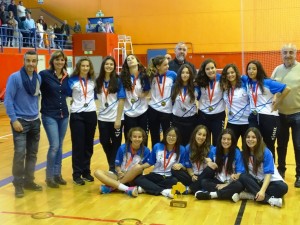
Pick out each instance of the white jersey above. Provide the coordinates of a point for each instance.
(211, 100)
(183, 107)
(83, 95)
(135, 105)
(161, 92)
(238, 105)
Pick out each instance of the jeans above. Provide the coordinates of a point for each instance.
(55, 130)
(26, 144)
(289, 121)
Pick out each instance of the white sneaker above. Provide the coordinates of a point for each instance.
(167, 193)
(275, 202)
(246, 195)
(235, 197)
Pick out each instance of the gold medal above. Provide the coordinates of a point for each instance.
(254, 112)
(132, 100)
(106, 104)
(163, 103)
(230, 113)
(210, 108)
(85, 105)
(183, 109)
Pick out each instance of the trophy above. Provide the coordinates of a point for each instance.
(177, 191)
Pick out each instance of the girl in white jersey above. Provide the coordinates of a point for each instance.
(262, 179)
(263, 105)
(184, 95)
(160, 105)
(137, 86)
(211, 104)
(236, 99)
(111, 95)
(83, 120)
(129, 155)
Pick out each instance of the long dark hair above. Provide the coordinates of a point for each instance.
(231, 153)
(91, 73)
(125, 74)
(128, 142)
(258, 152)
(261, 74)
(178, 140)
(151, 69)
(225, 84)
(202, 79)
(199, 153)
(113, 82)
(178, 85)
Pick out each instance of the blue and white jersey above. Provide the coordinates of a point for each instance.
(183, 107)
(266, 167)
(126, 159)
(264, 100)
(134, 104)
(238, 105)
(158, 102)
(197, 167)
(216, 103)
(108, 106)
(237, 165)
(157, 159)
(80, 102)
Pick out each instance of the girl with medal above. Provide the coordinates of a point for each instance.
(263, 103)
(130, 158)
(184, 96)
(160, 105)
(197, 163)
(165, 155)
(55, 114)
(211, 105)
(137, 86)
(111, 95)
(83, 119)
(230, 165)
(262, 179)
(236, 100)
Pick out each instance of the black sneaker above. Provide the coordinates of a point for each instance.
(51, 183)
(297, 182)
(78, 181)
(19, 192)
(60, 180)
(202, 195)
(33, 186)
(88, 178)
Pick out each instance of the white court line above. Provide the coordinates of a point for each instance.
(5, 136)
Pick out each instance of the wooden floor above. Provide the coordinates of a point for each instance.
(73, 204)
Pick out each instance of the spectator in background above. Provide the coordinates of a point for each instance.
(108, 28)
(57, 38)
(180, 55)
(42, 21)
(88, 27)
(4, 4)
(168, 57)
(29, 26)
(51, 36)
(11, 22)
(3, 27)
(13, 8)
(21, 11)
(40, 34)
(65, 31)
(77, 27)
(99, 27)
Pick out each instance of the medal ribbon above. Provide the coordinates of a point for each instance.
(230, 96)
(130, 159)
(210, 95)
(161, 91)
(133, 84)
(105, 91)
(182, 98)
(165, 155)
(255, 95)
(84, 90)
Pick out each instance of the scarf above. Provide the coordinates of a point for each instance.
(30, 85)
